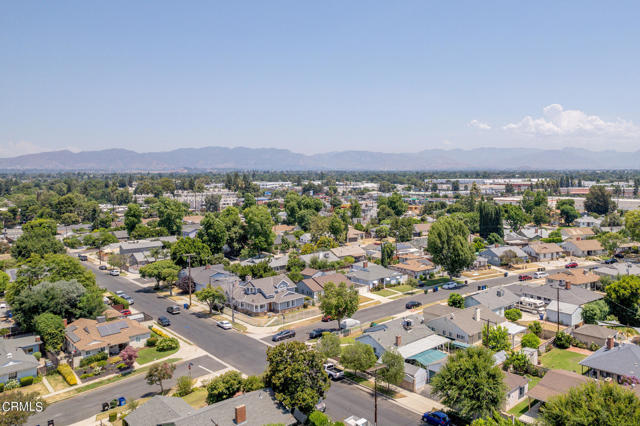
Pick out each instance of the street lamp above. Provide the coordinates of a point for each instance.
(374, 372)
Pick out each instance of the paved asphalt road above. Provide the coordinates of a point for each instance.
(345, 399)
(89, 404)
(397, 306)
(246, 354)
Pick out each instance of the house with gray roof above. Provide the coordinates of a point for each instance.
(594, 334)
(498, 255)
(139, 246)
(565, 313)
(253, 408)
(614, 360)
(617, 269)
(547, 293)
(15, 361)
(214, 275)
(465, 325)
(269, 294)
(371, 275)
(498, 299)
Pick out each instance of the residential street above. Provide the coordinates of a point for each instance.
(88, 404)
(244, 353)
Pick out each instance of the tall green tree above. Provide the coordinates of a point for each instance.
(159, 373)
(393, 373)
(13, 417)
(212, 296)
(594, 403)
(569, 214)
(329, 345)
(296, 375)
(260, 237)
(456, 301)
(632, 224)
(623, 297)
(598, 200)
(386, 253)
(515, 217)
(38, 241)
(224, 386)
(356, 208)
(236, 233)
(358, 356)
(213, 232)
(495, 338)
(184, 246)
(471, 383)
(170, 214)
(132, 217)
(156, 270)
(490, 219)
(339, 301)
(448, 243)
(51, 329)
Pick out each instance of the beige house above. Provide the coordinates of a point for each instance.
(583, 248)
(85, 337)
(574, 277)
(517, 388)
(581, 232)
(414, 268)
(539, 251)
(591, 333)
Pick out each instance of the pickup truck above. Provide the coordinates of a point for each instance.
(333, 372)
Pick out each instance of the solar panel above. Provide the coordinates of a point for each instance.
(72, 336)
(111, 328)
(72, 328)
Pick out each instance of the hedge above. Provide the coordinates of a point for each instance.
(66, 372)
(101, 356)
(167, 344)
(117, 300)
(159, 332)
(26, 381)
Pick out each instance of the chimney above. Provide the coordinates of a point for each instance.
(37, 339)
(567, 285)
(398, 341)
(476, 314)
(496, 245)
(610, 343)
(241, 414)
(365, 264)
(64, 322)
(207, 266)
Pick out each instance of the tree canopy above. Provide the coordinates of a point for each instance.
(598, 200)
(449, 245)
(339, 301)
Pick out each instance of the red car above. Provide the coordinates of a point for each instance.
(571, 265)
(326, 318)
(125, 312)
(524, 277)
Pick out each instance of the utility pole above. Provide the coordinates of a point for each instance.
(374, 372)
(188, 256)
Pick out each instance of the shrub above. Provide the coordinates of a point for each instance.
(102, 363)
(252, 383)
(113, 417)
(114, 360)
(563, 340)
(67, 373)
(1, 387)
(594, 347)
(101, 356)
(151, 341)
(12, 384)
(530, 340)
(317, 418)
(167, 344)
(84, 376)
(117, 300)
(26, 381)
(513, 314)
(121, 366)
(37, 355)
(159, 332)
(184, 386)
(536, 328)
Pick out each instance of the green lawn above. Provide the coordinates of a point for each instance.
(197, 398)
(384, 292)
(147, 355)
(563, 360)
(403, 288)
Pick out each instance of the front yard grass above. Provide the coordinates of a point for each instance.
(562, 359)
(402, 288)
(197, 398)
(57, 382)
(385, 293)
(147, 355)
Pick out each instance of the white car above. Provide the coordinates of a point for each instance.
(225, 325)
(119, 292)
(537, 275)
(114, 272)
(450, 285)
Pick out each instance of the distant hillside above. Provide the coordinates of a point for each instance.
(218, 158)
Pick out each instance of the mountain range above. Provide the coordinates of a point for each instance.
(221, 158)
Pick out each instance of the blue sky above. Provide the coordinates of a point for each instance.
(318, 76)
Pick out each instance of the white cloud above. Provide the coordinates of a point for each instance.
(479, 125)
(556, 121)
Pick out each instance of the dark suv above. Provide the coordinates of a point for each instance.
(164, 321)
(412, 304)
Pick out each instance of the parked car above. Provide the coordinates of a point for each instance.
(571, 265)
(349, 323)
(103, 267)
(412, 304)
(114, 272)
(436, 418)
(173, 310)
(333, 372)
(164, 321)
(225, 325)
(125, 312)
(326, 318)
(316, 333)
(450, 285)
(610, 261)
(538, 275)
(524, 277)
(82, 257)
(619, 255)
(119, 293)
(284, 334)
(129, 299)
